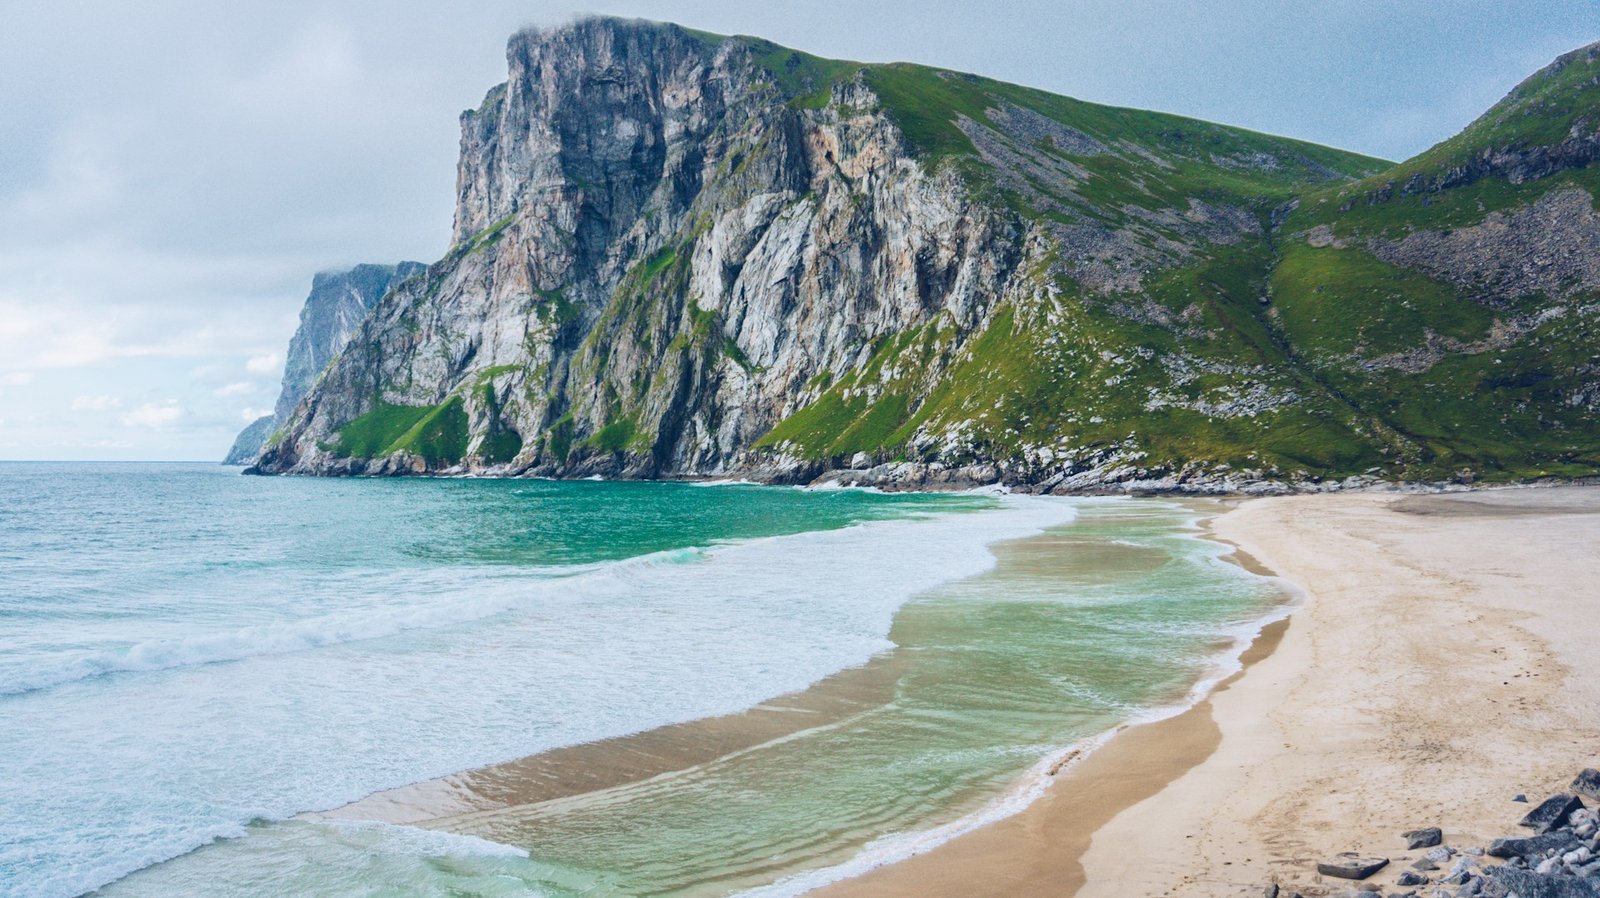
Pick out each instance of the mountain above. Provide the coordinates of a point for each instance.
(247, 445)
(339, 301)
(679, 254)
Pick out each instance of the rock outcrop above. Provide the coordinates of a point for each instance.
(247, 445)
(339, 301)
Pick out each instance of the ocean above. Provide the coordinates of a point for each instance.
(198, 670)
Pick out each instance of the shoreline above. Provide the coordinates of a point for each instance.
(1424, 681)
(919, 477)
(576, 772)
(1037, 849)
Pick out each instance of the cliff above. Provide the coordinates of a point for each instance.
(247, 445)
(678, 254)
(339, 301)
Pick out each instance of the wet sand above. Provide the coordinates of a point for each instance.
(1037, 852)
(1446, 657)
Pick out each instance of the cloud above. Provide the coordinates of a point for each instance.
(16, 379)
(264, 364)
(239, 388)
(152, 416)
(96, 403)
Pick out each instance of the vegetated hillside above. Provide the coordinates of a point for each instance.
(679, 254)
(1455, 299)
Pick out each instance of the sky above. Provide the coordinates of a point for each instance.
(173, 173)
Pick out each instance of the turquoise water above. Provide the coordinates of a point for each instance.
(187, 655)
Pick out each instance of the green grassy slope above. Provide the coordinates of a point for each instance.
(1272, 354)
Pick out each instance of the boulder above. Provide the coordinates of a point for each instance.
(1439, 853)
(1532, 846)
(1350, 865)
(1423, 838)
(1588, 784)
(1525, 884)
(1411, 878)
(1552, 812)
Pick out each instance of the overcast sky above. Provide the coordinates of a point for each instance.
(172, 173)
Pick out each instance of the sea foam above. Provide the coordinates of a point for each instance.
(179, 741)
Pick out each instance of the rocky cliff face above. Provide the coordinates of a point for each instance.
(339, 301)
(677, 254)
(666, 244)
(247, 445)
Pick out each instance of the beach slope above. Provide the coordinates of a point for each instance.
(1443, 660)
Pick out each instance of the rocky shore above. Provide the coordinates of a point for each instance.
(1558, 858)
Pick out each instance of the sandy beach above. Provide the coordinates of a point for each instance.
(1439, 660)
(1443, 660)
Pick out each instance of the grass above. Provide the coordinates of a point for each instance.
(438, 433)
(926, 103)
(808, 80)
(1336, 303)
(375, 433)
(614, 437)
(500, 447)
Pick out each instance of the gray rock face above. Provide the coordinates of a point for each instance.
(665, 244)
(247, 445)
(1551, 247)
(339, 301)
(657, 258)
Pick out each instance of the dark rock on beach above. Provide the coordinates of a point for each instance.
(1552, 812)
(1561, 861)
(1351, 866)
(1423, 838)
(1522, 883)
(1587, 784)
(1532, 846)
